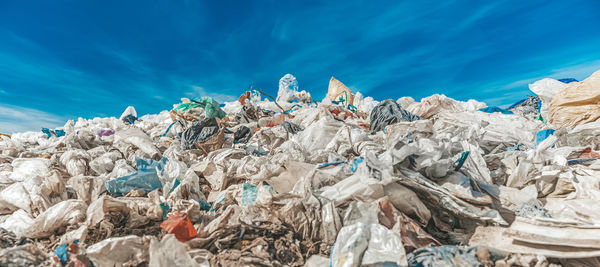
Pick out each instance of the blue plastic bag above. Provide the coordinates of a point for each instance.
(145, 178)
(542, 135)
(50, 133)
(62, 254)
(567, 80)
(496, 109)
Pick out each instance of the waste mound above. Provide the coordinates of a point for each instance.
(290, 181)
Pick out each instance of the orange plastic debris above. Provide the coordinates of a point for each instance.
(180, 225)
(244, 97)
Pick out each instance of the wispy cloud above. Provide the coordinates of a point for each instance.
(19, 119)
(96, 67)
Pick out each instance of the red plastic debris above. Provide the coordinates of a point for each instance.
(180, 225)
(587, 153)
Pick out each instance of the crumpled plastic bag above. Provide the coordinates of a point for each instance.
(199, 131)
(180, 225)
(545, 89)
(135, 137)
(76, 161)
(337, 91)
(169, 252)
(66, 213)
(360, 243)
(388, 112)
(117, 251)
(435, 104)
(576, 103)
(145, 178)
(288, 91)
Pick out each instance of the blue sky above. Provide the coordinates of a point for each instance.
(61, 60)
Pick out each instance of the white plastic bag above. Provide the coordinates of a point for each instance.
(116, 251)
(169, 252)
(545, 89)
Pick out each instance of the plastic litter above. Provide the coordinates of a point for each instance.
(145, 178)
(348, 181)
(129, 116)
(444, 256)
(106, 133)
(529, 107)
(199, 131)
(50, 133)
(496, 109)
(531, 210)
(180, 225)
(542, 135)
(567, 80)
(211, 107)
(388, 112)
(576, 103)
(288, 91)
(337, 91)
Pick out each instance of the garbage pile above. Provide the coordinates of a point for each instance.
(290, 181)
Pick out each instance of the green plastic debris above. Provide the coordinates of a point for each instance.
(177, 182)
(539, 117)
(210, 106)
(165, 210)
(204, 205)
(461, 160)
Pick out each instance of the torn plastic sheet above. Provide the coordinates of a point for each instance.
(444, 199)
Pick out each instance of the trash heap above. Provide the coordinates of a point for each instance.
(290, 181)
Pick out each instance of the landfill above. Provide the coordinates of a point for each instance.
(288, 180)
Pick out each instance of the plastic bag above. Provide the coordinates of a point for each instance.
(169, 252)
(211, 107)
(180, 225)
(435, 104)
(199, 131)
(495, 109)
(545, 89)
(288, 86)
(65, 213)
(145, 178)
(388, 112)
(116, 251)
(136, 137)
(337, 91)
(577, 103)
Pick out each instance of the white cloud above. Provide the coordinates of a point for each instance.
(198, 91)
(2, 92)
(19, 119)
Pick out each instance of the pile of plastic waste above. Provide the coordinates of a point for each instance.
(290, 181)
